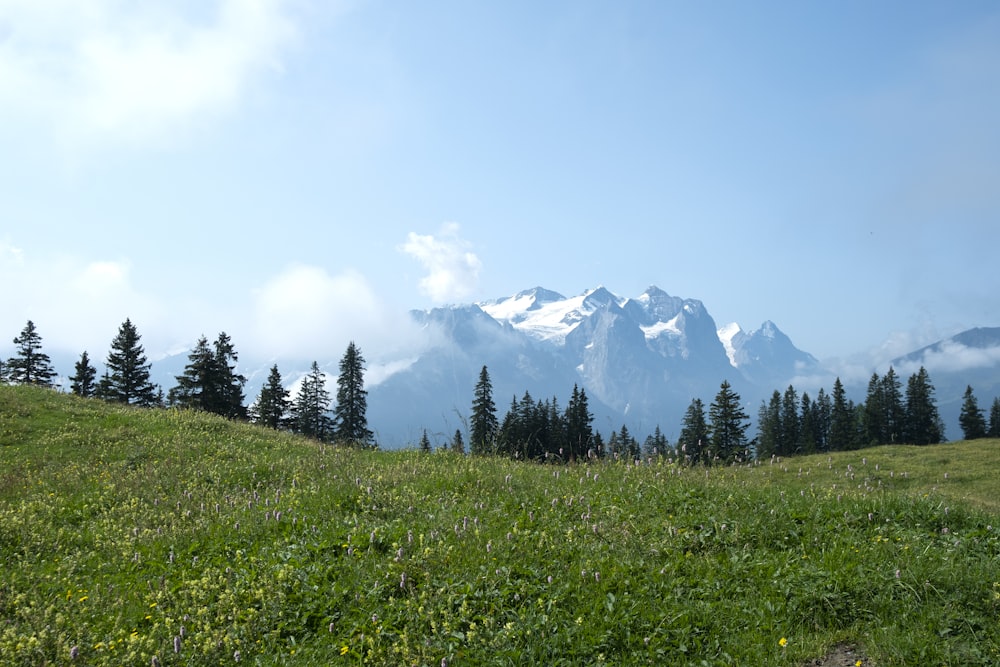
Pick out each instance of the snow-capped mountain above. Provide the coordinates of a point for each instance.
(641, 360)
(765, 356)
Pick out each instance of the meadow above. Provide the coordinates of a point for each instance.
(161, 537)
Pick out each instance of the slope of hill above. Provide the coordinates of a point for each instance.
(132, 535)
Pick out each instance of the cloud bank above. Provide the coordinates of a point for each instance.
(452, 269)
(104, 69)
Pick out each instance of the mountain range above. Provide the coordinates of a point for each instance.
(640, 360)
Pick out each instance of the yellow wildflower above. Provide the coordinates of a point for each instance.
(782, 642)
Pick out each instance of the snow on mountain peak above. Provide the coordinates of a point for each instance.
(727, 333)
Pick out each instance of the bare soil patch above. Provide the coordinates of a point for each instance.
(841, 655)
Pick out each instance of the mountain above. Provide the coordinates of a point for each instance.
(641, 361)
(970, 358)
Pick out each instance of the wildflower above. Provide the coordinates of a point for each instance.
(782, 642)
(177, 644)
(236, 655)
(74, 653)
(344, 650)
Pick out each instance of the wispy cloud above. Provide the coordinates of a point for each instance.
(106, 70)
(452, 269)
(952, 357)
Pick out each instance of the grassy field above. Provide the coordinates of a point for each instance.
(129, 535)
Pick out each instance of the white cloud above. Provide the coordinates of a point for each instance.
(307, 314)
(951, 357)
(106, 69)
(452, 268)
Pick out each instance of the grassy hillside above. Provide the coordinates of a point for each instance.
(127, 535)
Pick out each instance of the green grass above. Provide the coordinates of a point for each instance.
(122, 529)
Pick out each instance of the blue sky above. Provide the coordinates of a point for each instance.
(300, 173)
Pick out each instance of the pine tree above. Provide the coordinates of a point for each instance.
(790, 425)
(484, 426)
(310, 407)
(769, 427)
(807, 426)
(127, 378)
(728, 424)
(922, 425)
(822, 411)
(874, 413)
(579, 433)
(272, 404)
(350, 420)
(843, 430)
(895, 409)
(425, 443)
(656, 443)
(82, 383)
(994, 430)
(29, 365)
(693, 441)
(228, 385)
(194, 387)
(457, 444)
(971, 418)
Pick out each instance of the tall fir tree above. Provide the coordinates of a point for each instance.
(310, 409)
(425, 443)
(350, 414)
(484, 426)
(822, 411)
(127, 377)
(272, 404)
(29, 365)
(83, 381)
(579, 432)
(194, 387)
(228, 383)
(692, 443)
(769, 427)
(994, 428)
(807, 426)
(922, 424)
(727, 426)
(874, 413)
(971, 418)
(843, 427)
(895, 408)
(457, 443)
(790, 425)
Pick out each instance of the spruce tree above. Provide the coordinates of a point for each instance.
(843, 430)
(578, 420)
(272, 404)
(994, 429)
(228, 385)
(693, 441)
(350, 420)
(82, 383)
(874, 413)
(807, 426)
(822, 411)
(728, 424)
(484, 427)
(922, 424)
(425, 443)
(769, 441)
(790, 425)
(895, 409)
(311, 406)
(194, 387)
(29, 365)
(971, 418)
(457, 443)
(127, 377)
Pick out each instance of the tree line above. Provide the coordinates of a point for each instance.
(789, 423)
(210, 383)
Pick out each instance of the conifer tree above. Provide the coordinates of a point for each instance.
(994, 429)
(693, 441)
(457, 443)
(310, 407)
(874, 413)
(971, 418)
(822, 410)
(82, 383)
(579, 433)
(728, 424)
(790, 425)
(194, 387)
(656, 444)
(895, 409)
(483, 432)
(350, 420)
(769, 427)
(843, 429)
(29, 365)
(922, 425)
(425, 443)
(807, 426)
(228, 384)
(127, 377)
(272, 404)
